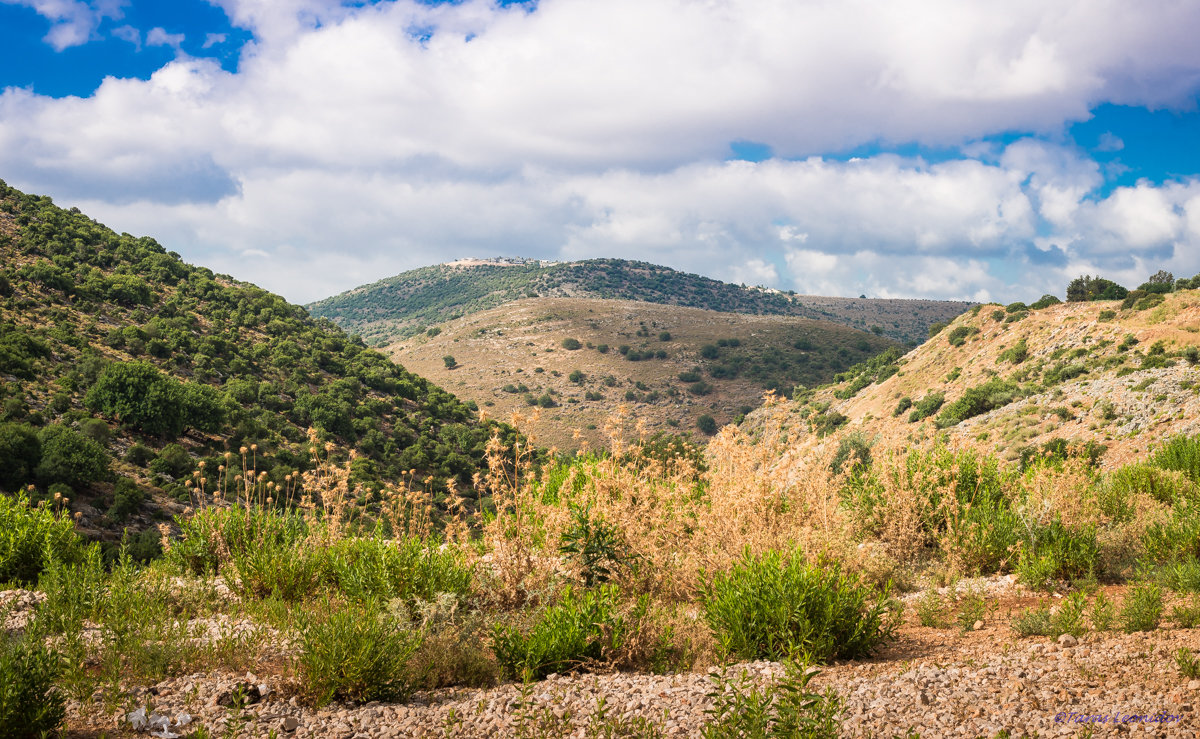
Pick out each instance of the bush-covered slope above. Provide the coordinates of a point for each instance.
(408, 303)
(122, 368)
(580, 359)
(1119, 374)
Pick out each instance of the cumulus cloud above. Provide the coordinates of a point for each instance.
(357, 141)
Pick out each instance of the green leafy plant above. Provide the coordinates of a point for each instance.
(931, 609)
(594, 544)
(771, 606)
(1187, 617)
(971, 608)
(30, 704)
(1188, 663)
(357, 653)
(787, 709)
(1142, 610)
(30, 536)
(581, 628)
(1103, 613)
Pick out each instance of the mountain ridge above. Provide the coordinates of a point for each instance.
(406, 304)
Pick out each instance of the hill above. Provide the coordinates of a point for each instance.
(580, 359)
(129, 377)
(409, 303)
(1117, 374)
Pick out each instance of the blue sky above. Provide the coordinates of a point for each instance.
(910, 148)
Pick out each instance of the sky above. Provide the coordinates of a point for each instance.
(949, 149)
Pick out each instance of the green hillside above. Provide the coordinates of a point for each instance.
(122, 369)
(408, 303)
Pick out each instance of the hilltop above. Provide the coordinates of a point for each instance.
(578, 360)
(129, 378)
(1114, 374)
(411, 302)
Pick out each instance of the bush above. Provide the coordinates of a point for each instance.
(767, 607)
(30, 705)
(449, 361)
(995, 393)
(20, 452)
(173, 460)
(70, 457)
(358, 654)
(707, 424)
(1181, 454)
(927, 406)
(1142, 610)
(139, 455)
(581, 628)
(742, 708)
(1056, 552)
(127, 499)
(571, 344)
(904, 404)
(959, 334)
(30, 536)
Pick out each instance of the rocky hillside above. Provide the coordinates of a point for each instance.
(126, 373)
(577, 360)
(411, 302)
(1118, 374)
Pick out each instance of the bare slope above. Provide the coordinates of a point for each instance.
(652, 358)
(1105, 372)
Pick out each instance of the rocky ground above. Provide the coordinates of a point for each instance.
(934, 682)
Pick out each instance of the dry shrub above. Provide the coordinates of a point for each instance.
(668, 521)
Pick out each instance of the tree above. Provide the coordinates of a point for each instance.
(707, 424)
(1159, 282)
(20, 452)
(449, 361)
(1086, 288)
(70, 457)
(138, 394)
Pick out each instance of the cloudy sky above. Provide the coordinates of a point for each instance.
(896, 148)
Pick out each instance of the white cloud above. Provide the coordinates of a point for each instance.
(73, 22)
(158, 36)
(352, 144)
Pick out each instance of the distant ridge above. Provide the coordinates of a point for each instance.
(408, 303)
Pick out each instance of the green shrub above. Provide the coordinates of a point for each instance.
(139, 455)
(1103, 613)
(1045, 302)
(1016, 353)
(1182, 576)
(1041, 621)
(1188, 664)
(174, 461)
(70, 457)
(372, 567)
(769, 607)
(742, 708)
(1142, 610)
(358, 654)
(931, 609)
(993, 394)
(20, 452)
(707, 424)
(581, 628)
(571, 344)
(826, 422)
(30, 704)
(927, 406)
(127, 499)
(904, 404)
(29, 536)
(1057, 552)
(1181, 454)
(959, 334)
(1177, 539)
(1187, 617)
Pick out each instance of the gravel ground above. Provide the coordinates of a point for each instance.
(936, 682)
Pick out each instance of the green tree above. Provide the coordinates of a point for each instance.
(450, 361)
(70, 457)
(138, 394)
(20, 452)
